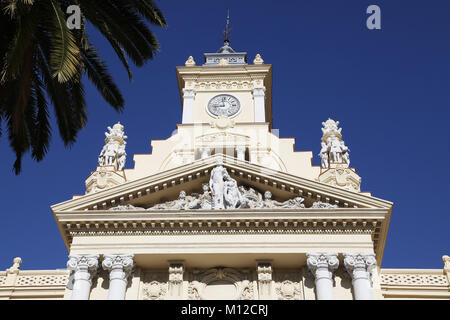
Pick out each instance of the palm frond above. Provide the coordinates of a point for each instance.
(98, 74)
(65, 53)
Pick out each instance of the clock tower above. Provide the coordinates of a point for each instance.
(225, 86)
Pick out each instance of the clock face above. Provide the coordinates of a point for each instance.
(223, 104)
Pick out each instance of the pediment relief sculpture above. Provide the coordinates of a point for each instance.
(223, 193)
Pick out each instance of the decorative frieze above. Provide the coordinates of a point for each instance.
(323, 205)
(231, 85)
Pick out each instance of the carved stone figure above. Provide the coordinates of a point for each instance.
(127, 207)
(113, 152)
(296, 202)
(323, 205)
(121, 157)
(223, 192)
(333, 149)
(217, 185)
(205, 198)
(324, 155)
(178, 204)
(251, 199)
(232, 196)
(345, 153)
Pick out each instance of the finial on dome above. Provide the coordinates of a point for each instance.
(226, 52)
(190, 62)
(258, 59)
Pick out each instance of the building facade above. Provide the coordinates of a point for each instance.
(225, 209)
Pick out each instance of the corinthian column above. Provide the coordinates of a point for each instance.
(360, 266)
(84, 267)
(322, 266)
(119, 267)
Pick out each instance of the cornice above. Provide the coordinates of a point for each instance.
(183, 70)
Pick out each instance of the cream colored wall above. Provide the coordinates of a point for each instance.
(266, 149)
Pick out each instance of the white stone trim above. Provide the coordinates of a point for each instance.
(188, 106)
(259, 98)
(120, 267)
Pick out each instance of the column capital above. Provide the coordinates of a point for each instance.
(264, 271)
(176, 270)
(84, 267)
(322, 261)
(357, 262)
(119, 265)
(86, 263)
(259, 92)
(188, 93)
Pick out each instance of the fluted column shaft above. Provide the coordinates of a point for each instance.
(322, 266)
(119, 267)
(360, 266)
(84, 267)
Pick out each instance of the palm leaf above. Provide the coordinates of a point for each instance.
(65, 54)
(98, 74)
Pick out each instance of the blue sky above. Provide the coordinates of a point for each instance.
(389, 88)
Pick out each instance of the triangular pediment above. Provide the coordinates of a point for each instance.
(166, 186)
